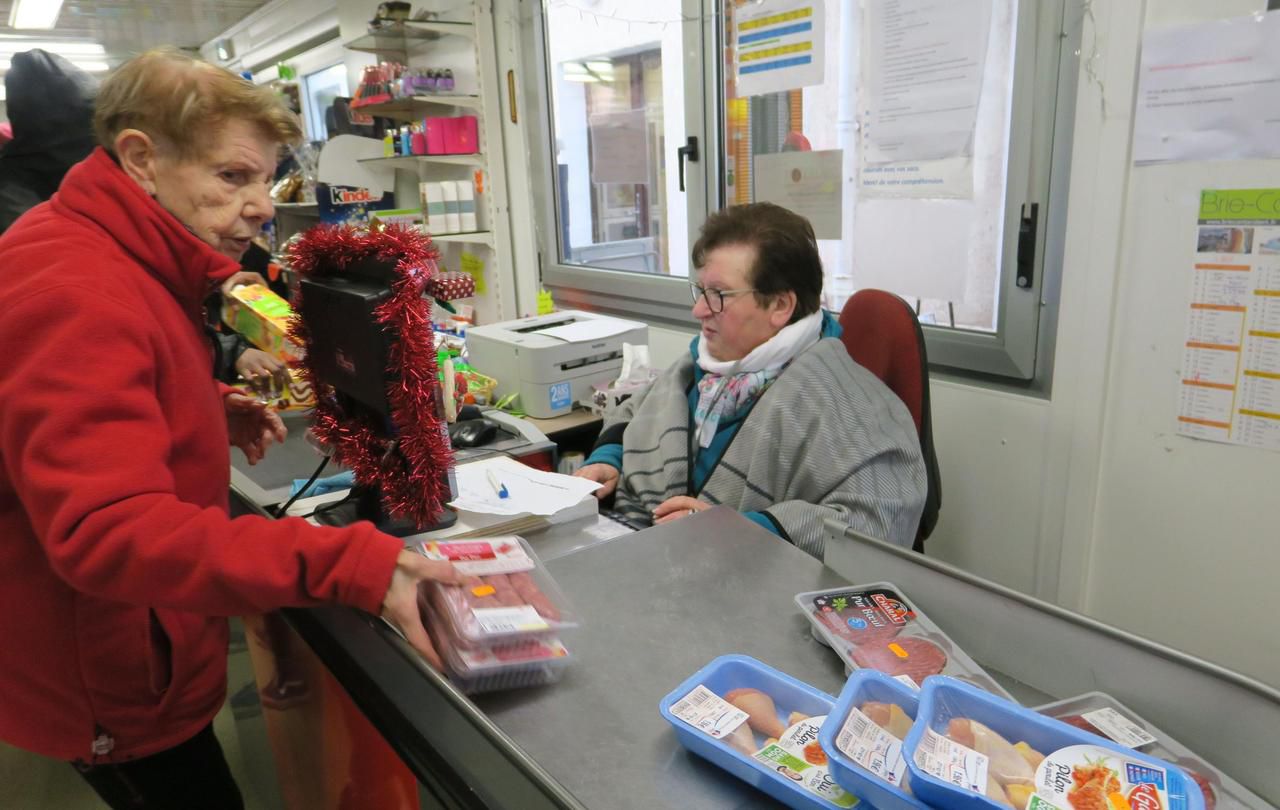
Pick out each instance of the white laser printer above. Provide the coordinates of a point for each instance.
(552, 361)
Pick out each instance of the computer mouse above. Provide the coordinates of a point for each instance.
(472, 432)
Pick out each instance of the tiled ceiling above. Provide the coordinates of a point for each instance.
(126, 27)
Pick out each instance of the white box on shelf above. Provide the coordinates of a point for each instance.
(453, 219)
(466, 206)
(434, 208)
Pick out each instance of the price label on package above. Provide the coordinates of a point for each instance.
(708, 712)
(952, 762)
(501, 620)
(1119, 728)
(872, 747)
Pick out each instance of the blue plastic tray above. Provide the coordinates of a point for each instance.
(864, 685)
(789, 695)
(943, 698)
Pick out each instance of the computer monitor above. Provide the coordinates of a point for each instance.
(350, 352)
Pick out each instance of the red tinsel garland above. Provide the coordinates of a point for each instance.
(413, 489)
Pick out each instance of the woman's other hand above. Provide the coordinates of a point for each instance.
(605, 474)
(678, 507)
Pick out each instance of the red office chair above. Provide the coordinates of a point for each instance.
(883, 336)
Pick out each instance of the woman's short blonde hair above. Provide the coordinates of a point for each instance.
(182, 102)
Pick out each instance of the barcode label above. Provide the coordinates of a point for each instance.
(908, 680)
(1115, 725)
(507, 620)
(872, 747)
(952, 762)
(708, 712)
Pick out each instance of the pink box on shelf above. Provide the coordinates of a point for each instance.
(461, 135)
(436, 128)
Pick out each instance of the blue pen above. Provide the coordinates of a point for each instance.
(497, 485)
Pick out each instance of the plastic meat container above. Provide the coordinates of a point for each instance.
(520, 664)
(958, 764)
(1220, 790)
(844, 736)
(792, 770)
(508, 594)
(876, 627)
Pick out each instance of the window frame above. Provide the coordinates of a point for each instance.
(1017, 355)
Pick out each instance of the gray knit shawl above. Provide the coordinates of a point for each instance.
(826, 440)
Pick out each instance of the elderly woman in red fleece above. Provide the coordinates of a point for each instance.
(119, 562)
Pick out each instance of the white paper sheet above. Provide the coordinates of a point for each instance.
(945, 179)
(1210, 91)
(1230, 386)
(589, 329)
(923, 67)
(529, 491)
(807, 183)
(778, 46)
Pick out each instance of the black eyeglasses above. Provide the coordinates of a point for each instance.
(714, 298)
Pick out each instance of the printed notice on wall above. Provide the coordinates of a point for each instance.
(778, 46)
(1209, 91)
(923, 63)
(1230, 389)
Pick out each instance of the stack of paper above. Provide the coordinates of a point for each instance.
(504, 486)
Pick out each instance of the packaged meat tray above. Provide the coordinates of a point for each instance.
(971, 749)
(760, 725)
(515, 665)
(876, 627)
(863, 738)
(507, 594)
(1107, 717)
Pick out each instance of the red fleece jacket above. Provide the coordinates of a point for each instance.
(117, 556)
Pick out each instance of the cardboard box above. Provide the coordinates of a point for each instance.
(461, 135)
(452, 216)
(435, 128)
(433, 207)
(466, 206)
(262, 317)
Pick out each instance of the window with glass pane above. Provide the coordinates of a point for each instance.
(616, 77)
(880, 214)
(322, 87)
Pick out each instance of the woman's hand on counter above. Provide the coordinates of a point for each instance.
(400, 605)
(678, 507)
(605, 474)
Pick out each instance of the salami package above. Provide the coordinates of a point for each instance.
(515, 665)
(876, 627)
(971, 749)
(1105, 716)
(507, 594)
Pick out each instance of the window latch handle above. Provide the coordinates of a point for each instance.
(1026, 264)
(689, 151)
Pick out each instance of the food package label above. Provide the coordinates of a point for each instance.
(1088, 776)
(482, 558)
(861, 616)
(872, 747)
(798, 757)
(508, 620)
(952, 762)
(708, 712)
(908, 680)
(1119, 728)
(263, 318)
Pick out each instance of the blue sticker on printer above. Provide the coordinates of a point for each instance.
(561, 395)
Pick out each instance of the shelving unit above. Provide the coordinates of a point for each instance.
(468, 47)
(413, 161)
(415, 107)
(409, 36)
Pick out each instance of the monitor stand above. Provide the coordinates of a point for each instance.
(365, 503)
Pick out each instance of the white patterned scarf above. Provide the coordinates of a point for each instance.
(730, 386)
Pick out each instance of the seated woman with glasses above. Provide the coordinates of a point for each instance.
(767, 414)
